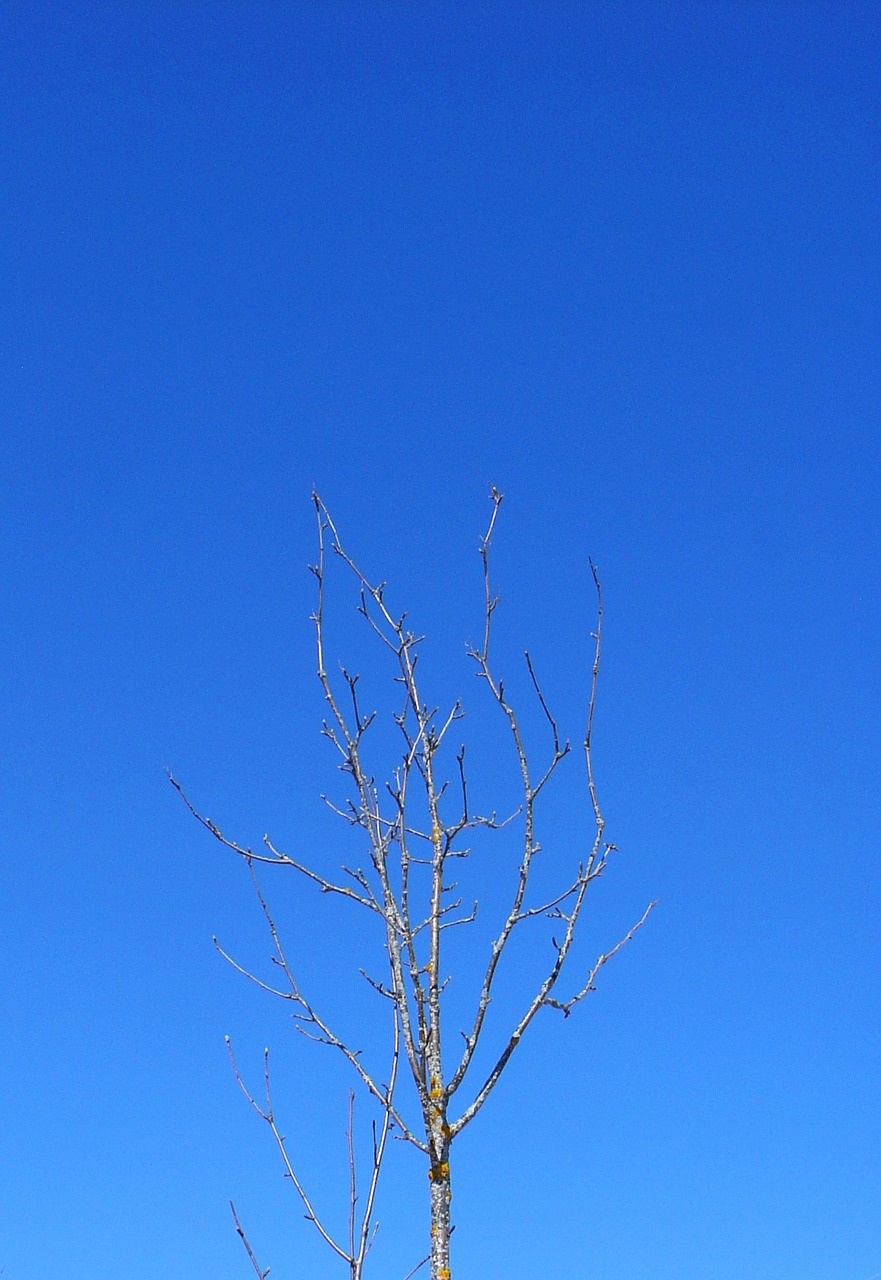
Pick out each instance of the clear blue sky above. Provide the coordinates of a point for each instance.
(622, 261)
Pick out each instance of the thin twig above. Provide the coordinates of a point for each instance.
(244, 1240)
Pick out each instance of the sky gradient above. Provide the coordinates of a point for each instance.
(620, 260)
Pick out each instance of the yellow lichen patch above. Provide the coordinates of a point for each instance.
(439, 1172)
(444, 1273)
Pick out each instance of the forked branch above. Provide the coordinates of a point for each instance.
(362, 1230)
(413, 824)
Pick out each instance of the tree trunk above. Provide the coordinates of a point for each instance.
(439, 1181)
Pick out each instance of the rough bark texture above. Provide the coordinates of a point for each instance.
(441, 1194)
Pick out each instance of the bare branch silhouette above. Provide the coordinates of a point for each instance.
(415, 823)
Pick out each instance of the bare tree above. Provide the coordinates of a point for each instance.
(415, 823)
